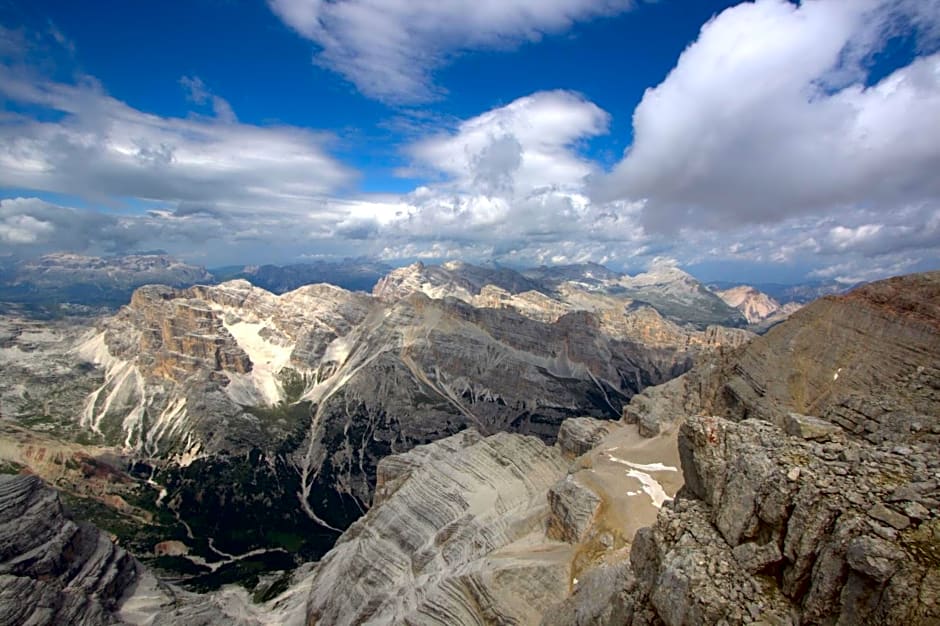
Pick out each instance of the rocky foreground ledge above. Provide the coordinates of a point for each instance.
(771, 528)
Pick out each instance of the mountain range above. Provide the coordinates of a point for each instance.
(785, 478)
(69, 284)
(228, 420)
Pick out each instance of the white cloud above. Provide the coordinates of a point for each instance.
(200, 94)
(519, 148)
(389, 48)
(760, 148)
(22, 229)
(509, 184)
(764, 118)
(101, 148)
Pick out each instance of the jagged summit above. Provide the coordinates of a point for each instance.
(674, 293)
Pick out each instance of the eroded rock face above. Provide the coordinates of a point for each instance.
(440, 545)
(52, 569)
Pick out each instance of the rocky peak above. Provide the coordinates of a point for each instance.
(452, 279)
(755, 305)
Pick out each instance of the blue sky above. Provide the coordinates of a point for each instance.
(766, 141)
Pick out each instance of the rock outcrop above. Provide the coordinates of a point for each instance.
(787, 530)
(455, 538)
(581, 434)
(52, 569)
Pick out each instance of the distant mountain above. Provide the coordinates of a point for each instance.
(454, 279)
(351, 274)
(675, 294)
(801, 293)
(59, 283)
(757, 307)
(69, 284)
(586, 273)
(678, 296)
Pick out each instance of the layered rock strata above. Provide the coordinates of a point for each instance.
(456, 537)
(52, 569)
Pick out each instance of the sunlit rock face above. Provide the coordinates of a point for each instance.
(760, 310)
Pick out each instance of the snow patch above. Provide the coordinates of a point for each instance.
(650, 467)
(267, 358)
(651, 487)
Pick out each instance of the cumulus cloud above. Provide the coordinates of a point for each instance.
(31, 226)
(509, 184)
(767, 116)
(389, 48)
(518, 148)
(763, 146)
